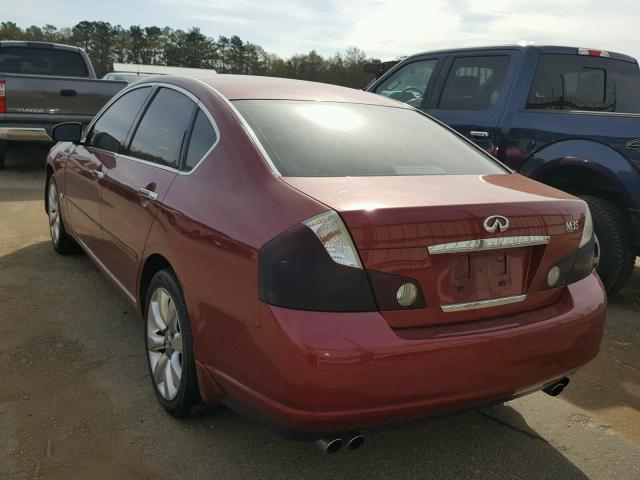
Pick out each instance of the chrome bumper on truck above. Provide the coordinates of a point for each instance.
(24, 134)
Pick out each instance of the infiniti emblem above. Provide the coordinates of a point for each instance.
(496, 223)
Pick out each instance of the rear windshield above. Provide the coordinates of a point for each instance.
(327, 139)
(42, 61)
(581, 82)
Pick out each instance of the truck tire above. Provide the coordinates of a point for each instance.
(617, 252)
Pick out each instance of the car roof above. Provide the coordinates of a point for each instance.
(248, 87)
(540, 48)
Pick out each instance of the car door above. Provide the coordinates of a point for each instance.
(411, 83)
(138, 180)
(474, 93)
(88, 163)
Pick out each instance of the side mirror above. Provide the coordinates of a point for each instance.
(67, 132)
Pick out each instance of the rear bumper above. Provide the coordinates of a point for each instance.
(24, 134)
(32, 127)
(328, 372)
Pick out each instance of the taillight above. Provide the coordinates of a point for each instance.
(315, 266)
(578, 264)
(3, 103)
(593, 52)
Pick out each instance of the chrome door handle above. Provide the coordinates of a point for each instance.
(148, 194)
(97, 174)
(479, 134)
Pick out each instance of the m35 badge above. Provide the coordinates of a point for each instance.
(572, 226)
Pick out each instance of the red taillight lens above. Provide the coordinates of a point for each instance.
(3, 104)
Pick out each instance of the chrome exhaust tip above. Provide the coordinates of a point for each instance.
(329, 445)
(355, 442)
(557, 388)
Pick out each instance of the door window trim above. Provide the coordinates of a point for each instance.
(154, 88)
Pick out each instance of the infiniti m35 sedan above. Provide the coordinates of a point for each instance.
(324, 259)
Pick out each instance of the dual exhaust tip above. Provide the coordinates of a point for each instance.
(334, 444)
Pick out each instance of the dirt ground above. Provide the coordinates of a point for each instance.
(76, 402)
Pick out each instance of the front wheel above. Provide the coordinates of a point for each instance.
(169, 346)
(61, 240)
(616, 249)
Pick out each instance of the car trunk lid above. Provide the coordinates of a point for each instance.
(432, 229)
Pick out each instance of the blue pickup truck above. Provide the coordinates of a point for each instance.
(568, 117)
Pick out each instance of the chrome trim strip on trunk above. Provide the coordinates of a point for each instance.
(26, 134)
(492, 302)
(481, 244)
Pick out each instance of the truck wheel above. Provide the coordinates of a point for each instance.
(617, 253)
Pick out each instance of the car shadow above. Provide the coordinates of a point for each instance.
(71, 303)
(22, 179)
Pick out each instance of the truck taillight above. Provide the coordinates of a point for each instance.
(3, 105)
(593, 53)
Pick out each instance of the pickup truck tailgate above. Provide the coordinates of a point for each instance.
(50, 95)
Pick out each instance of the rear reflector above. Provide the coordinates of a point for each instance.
(593, 53)
(3, 104)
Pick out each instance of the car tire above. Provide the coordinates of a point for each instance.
(62, 242)
(617, 253)
(169, 346)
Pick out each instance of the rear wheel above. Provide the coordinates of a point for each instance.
(616, 249)
(169, 346)
(62, 242)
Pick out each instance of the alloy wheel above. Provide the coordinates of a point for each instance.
(53, 210)
(164, 343)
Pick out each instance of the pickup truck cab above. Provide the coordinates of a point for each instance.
(567, 117)
(43, 84)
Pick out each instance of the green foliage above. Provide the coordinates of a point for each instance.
(105, 44)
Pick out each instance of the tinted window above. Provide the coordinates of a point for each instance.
(326, 139)
(202, 139)
(42, 61)
(579, 82)
(163, 127)
(474, 83)
(111, 129)
(409, 84)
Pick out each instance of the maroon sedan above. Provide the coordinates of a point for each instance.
(324, 259)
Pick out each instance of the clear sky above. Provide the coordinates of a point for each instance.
(382, 28)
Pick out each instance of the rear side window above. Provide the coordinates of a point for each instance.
(161, 133)
(111, 129)
(203, 138)
(42, 61)
(474, 83)
(332, 139)
(579, 82)
(409, 84)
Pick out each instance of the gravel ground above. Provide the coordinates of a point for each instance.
(76, 403)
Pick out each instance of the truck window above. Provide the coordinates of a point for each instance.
(474, 83)
(409, 84)
(42, 61)
(580, 82)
